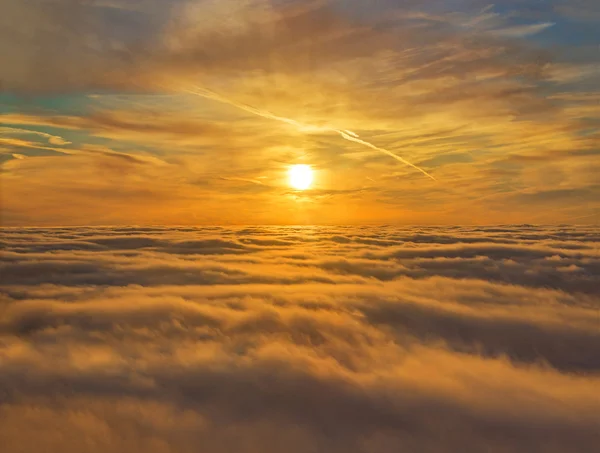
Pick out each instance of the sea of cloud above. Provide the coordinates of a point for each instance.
(300, 339)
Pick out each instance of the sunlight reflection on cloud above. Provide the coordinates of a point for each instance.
(275, 338)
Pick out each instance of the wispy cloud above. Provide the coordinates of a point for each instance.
(473, 95)
(52, 139)
(522, 30)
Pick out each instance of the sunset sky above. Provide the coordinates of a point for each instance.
(192, 111)
(299, 226)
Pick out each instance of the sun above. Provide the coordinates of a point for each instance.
(300, 176)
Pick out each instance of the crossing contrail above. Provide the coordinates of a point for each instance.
(345, 134)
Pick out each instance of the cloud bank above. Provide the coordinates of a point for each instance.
(270, 339)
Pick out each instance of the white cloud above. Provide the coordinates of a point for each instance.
(521, 31)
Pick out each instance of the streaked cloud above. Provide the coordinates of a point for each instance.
(494, 102)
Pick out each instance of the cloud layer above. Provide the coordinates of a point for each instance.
(269, 339)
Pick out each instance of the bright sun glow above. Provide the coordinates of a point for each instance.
(301, 176)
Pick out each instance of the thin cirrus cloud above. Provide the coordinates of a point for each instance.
(261, 339)
(493, 102)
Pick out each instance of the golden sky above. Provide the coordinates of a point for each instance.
(192, 111)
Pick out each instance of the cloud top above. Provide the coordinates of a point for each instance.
(361, 339)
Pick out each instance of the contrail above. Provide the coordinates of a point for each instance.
(345, 134)
(354, 138)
